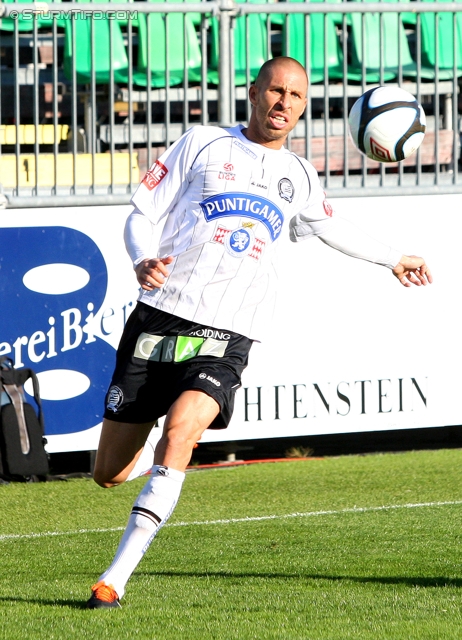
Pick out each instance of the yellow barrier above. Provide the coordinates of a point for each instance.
(45, 175)
(45, 133)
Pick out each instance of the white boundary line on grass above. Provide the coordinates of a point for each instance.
(309, 514)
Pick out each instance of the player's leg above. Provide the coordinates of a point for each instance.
(183, 427)
(120, 447)
(186, 420)
(195, 394)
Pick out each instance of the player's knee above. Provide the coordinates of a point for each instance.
(105, 480)
(180, 438)
(106, 484)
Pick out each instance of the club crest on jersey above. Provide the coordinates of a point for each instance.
(244, 205)
(155, 175)
(240, 242)
(286, 189)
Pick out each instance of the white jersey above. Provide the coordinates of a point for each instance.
(227, 201)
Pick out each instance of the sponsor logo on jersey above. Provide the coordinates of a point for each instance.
(155, 175)
(245, 149)
(257, 249)
(210, 333)
(178, 348)
(221, 234)
(236, 244)
(204, 376)
(328, 208)
(226, 175)
(258, 185)
(114, 399)
(225, 205)
(286, 189)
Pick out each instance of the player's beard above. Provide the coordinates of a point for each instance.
(266, 131)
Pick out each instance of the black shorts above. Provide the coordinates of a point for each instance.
(161, 355)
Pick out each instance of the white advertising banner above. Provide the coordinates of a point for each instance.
(348, 350)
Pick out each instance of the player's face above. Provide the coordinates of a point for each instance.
(278, 100)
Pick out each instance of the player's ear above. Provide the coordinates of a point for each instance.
(253, 94)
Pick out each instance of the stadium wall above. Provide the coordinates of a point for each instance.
(348, 351)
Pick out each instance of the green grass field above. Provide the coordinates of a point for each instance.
(349, 547)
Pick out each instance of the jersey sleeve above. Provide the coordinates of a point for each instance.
(138, 235)
(317, 218)
(168, 178)
(353, 241)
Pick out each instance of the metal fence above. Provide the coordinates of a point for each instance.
(92, 93)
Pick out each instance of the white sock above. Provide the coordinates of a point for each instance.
(144, 463)
(151, 510)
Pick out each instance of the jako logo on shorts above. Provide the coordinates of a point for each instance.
(204, 376)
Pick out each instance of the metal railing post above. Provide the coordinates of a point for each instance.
(226, 10)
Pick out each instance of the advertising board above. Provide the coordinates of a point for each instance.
(349, 348)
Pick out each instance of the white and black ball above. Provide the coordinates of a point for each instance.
(387, 124)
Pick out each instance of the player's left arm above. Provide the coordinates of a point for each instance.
(343, 235)
(346, 237)
(317, 219)
(412, 270)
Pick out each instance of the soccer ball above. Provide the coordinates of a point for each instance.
(387, 124)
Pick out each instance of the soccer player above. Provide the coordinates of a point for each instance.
(224, 197)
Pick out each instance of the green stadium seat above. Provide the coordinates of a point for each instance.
(395, 38)
(257, 49)
(152, 49)
(109, 49)
(195, 17)
(394, 35)
(294, 43)
(394, 43)
(444, 59)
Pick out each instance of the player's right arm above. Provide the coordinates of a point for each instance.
(154, 200)
(155, 197)
(150, 272)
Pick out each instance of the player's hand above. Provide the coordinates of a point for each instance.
(412, 270)
(151, 273)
